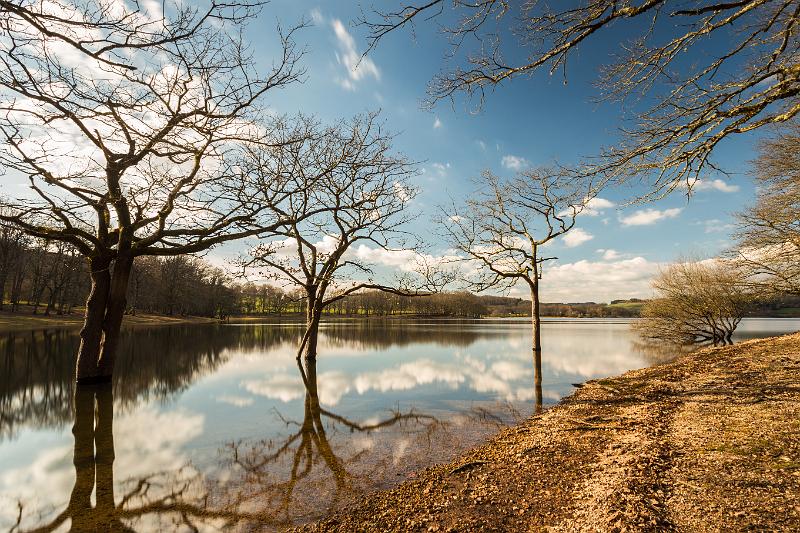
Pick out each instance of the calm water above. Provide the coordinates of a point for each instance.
(217, 428)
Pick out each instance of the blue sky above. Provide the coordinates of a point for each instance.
(528, 122)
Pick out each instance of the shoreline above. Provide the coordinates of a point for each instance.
(10, 322)
(707, 442)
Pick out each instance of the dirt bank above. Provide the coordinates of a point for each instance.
(710, 442)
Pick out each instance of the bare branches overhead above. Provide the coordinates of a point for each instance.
(690, 72)
(769, 230)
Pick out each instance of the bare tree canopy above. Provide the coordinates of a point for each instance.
(355, 192)
(131, 137)
(109, 30)
(696, 302)
(690, 72)
(769, 231)
(501, 229)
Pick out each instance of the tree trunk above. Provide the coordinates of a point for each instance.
(87, 367)
(312, 334)
(117, 301)
(3, 281)
(313, 316)
(536, 324)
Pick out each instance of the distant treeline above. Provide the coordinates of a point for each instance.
(50, 278)
(504, 306)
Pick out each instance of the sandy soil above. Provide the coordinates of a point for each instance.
(709, 442)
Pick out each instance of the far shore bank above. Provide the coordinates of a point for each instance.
(708, 442)
(27, 321)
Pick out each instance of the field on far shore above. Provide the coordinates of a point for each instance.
(24, 319)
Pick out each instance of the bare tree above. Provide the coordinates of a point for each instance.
(683, 100)
(356, 192)
(130, 147)
(502, 228)
(769, 231)
(696, 302)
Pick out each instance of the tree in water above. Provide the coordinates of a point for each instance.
(351, 205)
(130, 148)
(500, 231)
(696, 302)
(318, 465)
(179, 498)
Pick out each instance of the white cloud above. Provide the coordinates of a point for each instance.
(646, 217)
(712, 185)
(609, 254)
(598, 281)
(576, 237)
(440, 169)
(513, 162)
(715, 225)
(481, 144)
(357, 67)
(437, 123)
(596, 206)
(316, 16)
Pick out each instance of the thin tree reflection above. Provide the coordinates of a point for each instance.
(291, 477)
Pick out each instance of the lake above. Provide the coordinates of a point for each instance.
(215, 427)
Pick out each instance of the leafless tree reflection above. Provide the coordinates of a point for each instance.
(284, 481)
(170, 500)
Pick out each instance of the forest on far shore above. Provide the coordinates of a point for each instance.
(51, 279)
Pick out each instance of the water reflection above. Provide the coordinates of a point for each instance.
(318, 467)
(172, 498)
(215, 427)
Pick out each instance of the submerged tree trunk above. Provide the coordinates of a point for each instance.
(536, 324)
(105, 308)
(87, 367)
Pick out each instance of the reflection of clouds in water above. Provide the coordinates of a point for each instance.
(499, 367)
(283, 387)
(331, 386)
(236, 401)
(41, 485)
(409, 375)
(589, 353)
(146, 442)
